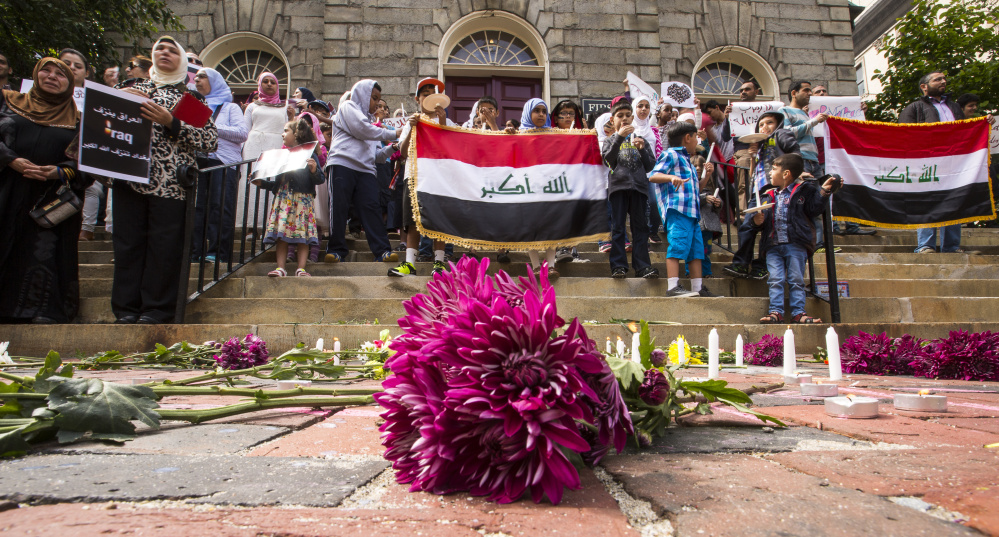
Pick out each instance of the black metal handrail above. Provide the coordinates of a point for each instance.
(247, 253)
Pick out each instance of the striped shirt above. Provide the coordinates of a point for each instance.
(796, 120)
(685, 199)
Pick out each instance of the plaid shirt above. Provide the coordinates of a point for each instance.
(685, 200)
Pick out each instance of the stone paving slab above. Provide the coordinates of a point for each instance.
(740, 440)
(204, 439)
(944, 477)
(231, 480)
(351, 433)
(977, 424)
(733, 494)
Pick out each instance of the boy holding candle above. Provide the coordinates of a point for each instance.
(789, 234)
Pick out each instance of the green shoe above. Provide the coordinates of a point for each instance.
(439, 267)
(404, 269)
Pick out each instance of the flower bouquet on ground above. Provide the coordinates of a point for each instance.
(962, 355)
(484, 395)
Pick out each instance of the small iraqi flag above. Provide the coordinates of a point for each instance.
(910, 175)
(531, 190)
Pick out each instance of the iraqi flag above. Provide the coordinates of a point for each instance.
(533, 190)
(910, 175)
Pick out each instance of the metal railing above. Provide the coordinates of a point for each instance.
(832, 298)
(250, 234)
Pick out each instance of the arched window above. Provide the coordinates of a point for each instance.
(722, 78)
(492, 47)
(720, 73)
(245, 67)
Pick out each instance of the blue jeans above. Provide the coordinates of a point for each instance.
(786, 263)
(950, 238)
(211, 186)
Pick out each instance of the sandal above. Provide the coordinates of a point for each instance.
(278, 273)
(801, 318)
(772, 318)
(301, 272)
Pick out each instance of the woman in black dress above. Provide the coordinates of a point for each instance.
(39, 272)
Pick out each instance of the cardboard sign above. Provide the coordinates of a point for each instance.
(744, 116)
(274, 162)
(844, 107)
(115, 140)
(396, 123)
(638, 87)
(26, 86)
(994, 136)
(678, 94)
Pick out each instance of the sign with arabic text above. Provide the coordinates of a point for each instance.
(742, 120)
(994, 135)
(844, 107)
(115, 140)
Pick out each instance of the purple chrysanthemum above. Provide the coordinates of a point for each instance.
(654, 389)
(236, 354)
(768, 351)
(962, 355)
(867, 354)
(484, 398)
(658, 357)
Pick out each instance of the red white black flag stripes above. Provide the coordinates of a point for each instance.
(910, 175)
(495, 190)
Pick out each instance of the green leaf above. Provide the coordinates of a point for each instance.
(10, 406)
(714, 390)
(628, 373)
(52, 363)
(103, 408)
(331, 371)
(703, 408)
(646, 344)
(302, 355)
(12, 444)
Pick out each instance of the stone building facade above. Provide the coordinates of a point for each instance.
(576, 49)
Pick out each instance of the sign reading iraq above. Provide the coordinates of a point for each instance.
(115, 140)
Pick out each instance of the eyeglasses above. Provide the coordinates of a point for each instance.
(566, 115)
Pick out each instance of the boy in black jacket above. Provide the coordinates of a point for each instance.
(789, 234)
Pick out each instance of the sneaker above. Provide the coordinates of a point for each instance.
(627, 247)
(737, 271)
(604, 247)
(655, 239)
(705, 293)
(563, 254)
(332, 258)
(503, 257)
(388, 257)
(400, 248)
(679, 291)
(649, 273)
(404, 269)
(210, 258)
(759, 274)
(439, 267)
(353, 236)
(619, 273)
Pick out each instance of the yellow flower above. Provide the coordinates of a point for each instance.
(679, 348)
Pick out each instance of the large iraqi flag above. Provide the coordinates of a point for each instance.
(531, 190)
(910, 175)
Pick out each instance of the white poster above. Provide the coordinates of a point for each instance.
(744, 116)
(994, 136)
(274, 162)
(844, 107)
(678, 94)
(396, 123)
(637, 87)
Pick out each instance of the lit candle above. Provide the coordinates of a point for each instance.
(336, 344)
(620, 347)
(832, 352)
(635, 355)
(713, 354)
(609, 349)
(789, 356)
(924, 401)
(738, 350)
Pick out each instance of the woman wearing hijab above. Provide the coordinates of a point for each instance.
(39, 278)
(218, 186)
(149, 236)
(644, 127)
(303, 97)
(265, 118)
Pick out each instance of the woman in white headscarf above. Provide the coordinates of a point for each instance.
(149, 235)
(643, 120)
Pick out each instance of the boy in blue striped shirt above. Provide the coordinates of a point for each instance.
(676, 188)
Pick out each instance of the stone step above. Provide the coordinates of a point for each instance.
(932, 287)
(71, 340)
(908, 271)
(226, 288)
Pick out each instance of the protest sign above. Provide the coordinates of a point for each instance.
(26, 86)
(744, 116)
(115, 140)
(994, 136)
(274, 162)
(638, 87)
(396, 123)
(844, 107)
(678, 94)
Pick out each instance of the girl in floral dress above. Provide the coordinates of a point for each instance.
(292, 219)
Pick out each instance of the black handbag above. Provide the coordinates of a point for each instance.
(55, 211)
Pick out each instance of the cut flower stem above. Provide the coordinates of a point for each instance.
(199, 416)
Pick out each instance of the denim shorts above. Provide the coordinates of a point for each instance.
(684, 236)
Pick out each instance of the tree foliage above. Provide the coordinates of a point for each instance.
(30, 29)
(959, 38)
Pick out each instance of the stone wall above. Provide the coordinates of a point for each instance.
(591, 43)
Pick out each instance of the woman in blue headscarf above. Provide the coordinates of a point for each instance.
(217, 189)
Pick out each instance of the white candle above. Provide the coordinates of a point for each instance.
(336, 344)
(819, 390)
(921, 402)
(789, 356)
(620, 347)
(850, 406)
(832, 352)
(738, 350)
(713, 354)
(704, 173)
(319, 344)
(797, 378)
(609, 349)
(635, 355)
